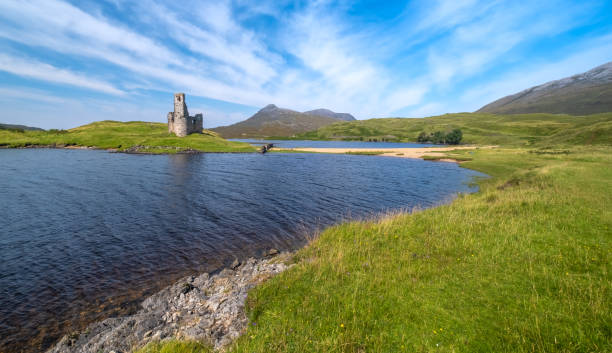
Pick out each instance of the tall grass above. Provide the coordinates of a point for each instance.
(521, 266)
(174, 346)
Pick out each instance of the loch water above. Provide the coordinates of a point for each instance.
(334, 144)
(87, 234)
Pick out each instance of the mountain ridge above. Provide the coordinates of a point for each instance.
(272, 121)
(4, 126)
(586, 93)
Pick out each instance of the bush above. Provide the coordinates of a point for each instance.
(452, 138)
(423, 137)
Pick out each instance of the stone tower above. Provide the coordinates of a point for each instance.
(179, 121)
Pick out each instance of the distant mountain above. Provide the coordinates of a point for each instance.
(328, 113)
(582, 94)
(274, 121)
(18, 127)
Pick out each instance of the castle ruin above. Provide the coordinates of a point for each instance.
(179, 121)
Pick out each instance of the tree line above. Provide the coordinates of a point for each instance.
(440, 137)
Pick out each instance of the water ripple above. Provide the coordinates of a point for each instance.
(86, 234)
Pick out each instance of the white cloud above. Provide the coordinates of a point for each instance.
(42, 71)
(320, 56)
(596, 53)
(30, 95)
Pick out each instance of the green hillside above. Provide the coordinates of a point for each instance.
(478, 128)
(134, 136)
(582, 94)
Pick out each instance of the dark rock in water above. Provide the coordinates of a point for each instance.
(206, 308)
(265, 148)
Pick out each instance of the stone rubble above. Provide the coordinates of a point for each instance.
(204, 308)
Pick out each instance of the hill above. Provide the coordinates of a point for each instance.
(330, 114)
(19, 127)
(477, 128)
(582, 94)
(272, 121)
(134, 136)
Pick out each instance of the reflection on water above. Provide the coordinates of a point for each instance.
(87, 234)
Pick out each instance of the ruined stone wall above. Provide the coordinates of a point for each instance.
(199, 123)
(170, 122)
(180, 107)
(179, 121)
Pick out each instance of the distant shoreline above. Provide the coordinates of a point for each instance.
(132, 150)
(427, 153)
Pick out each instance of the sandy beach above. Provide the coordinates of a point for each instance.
(396, 152)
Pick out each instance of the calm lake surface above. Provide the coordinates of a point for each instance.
(86, 234)
(334, 144)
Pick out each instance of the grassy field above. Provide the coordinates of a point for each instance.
(509, 130)
(521, 266)
(134, 136)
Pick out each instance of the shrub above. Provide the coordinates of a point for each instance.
(452, 138)
(423, 137)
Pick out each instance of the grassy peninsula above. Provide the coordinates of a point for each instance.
(134, 136)
(477, 128)
(521, 266)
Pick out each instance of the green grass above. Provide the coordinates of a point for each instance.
(521, 266)
(479, 128)
(175, 347)
(143, 136)
(454, 156)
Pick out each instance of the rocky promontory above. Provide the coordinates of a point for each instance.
(208, 308)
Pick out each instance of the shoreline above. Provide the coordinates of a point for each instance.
(208, 307)
(495, 187)
(131, 150)
(438, 153)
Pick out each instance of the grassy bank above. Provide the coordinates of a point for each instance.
(133, 136)
(486, 129)
(521, 266)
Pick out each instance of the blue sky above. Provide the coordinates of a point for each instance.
(67, 63)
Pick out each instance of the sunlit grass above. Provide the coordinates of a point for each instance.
(148, 137)
(174, 346)
(521, 266)
(479, 128)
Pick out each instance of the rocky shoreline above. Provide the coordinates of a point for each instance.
(208, 308)
(138, 149)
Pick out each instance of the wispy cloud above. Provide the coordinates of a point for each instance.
(344, 56)
(45, 72)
